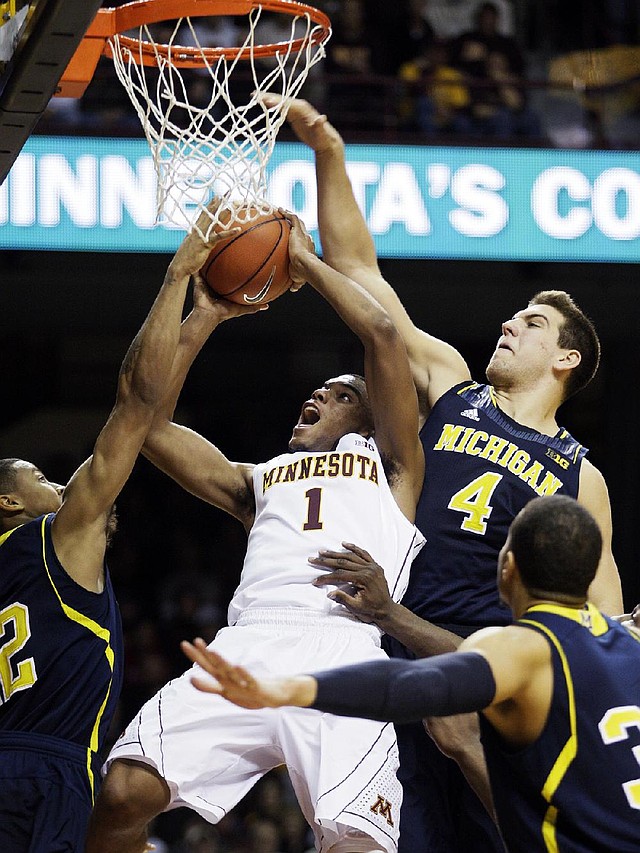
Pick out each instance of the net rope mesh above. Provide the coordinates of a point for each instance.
(208, 131)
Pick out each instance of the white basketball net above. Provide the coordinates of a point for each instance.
(214, 145)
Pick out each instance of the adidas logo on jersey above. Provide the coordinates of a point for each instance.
(472, 414)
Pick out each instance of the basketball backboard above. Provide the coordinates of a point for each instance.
(37, 40)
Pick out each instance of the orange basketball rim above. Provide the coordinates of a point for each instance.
(110, 22)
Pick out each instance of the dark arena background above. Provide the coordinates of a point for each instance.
(68, 313)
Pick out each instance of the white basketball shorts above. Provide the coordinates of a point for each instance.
(211, 752)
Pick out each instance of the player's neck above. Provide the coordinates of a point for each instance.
(535, 408)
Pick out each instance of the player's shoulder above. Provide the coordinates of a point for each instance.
(593, 486)
(514, 637)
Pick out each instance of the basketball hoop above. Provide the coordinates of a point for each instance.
(206, 135)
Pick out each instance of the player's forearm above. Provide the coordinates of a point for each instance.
(194, 332)
(400, 691)
(421, 637)
(357, 308)
(148, 361)
(346, 241)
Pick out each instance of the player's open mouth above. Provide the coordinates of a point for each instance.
(309, 415)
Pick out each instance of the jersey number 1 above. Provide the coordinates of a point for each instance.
(314, 498)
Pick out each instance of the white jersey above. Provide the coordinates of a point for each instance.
(311, 501)
(343, 769)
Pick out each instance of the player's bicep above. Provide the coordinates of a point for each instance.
(606, 589)
(202, 469)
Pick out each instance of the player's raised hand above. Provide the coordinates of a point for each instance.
(367, 595)
(194, 249)
(204, 299)
(310, 126)
(301, 245)
(240, 687)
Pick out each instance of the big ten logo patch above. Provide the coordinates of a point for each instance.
(382, 807)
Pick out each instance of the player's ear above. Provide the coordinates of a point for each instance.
(508, 567)
(568, 360)
(10, 504)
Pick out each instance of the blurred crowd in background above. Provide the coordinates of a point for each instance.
(561, 73)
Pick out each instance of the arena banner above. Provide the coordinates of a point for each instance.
(98, 194)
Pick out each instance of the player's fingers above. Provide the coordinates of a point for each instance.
(335, 577)
(359, 552)
(206, 685)
(334, 563)
(192, 650)
(241, 310)
(341, 597)
(217, 236)
(222, 670)
(269, 99)
(340, 558)
(209, 660)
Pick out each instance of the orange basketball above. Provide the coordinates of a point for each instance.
(253, 266)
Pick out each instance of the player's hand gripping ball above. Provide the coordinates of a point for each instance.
(252, 267)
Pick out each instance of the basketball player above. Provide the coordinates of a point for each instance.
(60, 634)
(559, 691)
(353, 472)
(489, 448)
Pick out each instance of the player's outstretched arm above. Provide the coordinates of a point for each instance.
(391, 690)
(348, 247)
(504, 672)
(390, 387)
(80, 527)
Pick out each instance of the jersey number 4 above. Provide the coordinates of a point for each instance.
(14, 633)
(474, 500)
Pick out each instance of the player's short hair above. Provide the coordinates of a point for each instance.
(557, 544)
(576, 332)
(8, 475)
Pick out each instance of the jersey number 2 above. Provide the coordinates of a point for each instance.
(25, 670)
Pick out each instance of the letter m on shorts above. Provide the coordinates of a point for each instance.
(382, 807)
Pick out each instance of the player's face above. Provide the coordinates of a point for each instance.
(37, 494)
(338, 408)
(527, 349)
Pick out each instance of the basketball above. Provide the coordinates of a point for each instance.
(253, 266)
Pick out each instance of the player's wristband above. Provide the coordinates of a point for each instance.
(400, 691)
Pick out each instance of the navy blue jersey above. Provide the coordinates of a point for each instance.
(577, 788)
(60, 650)
(481, 469)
